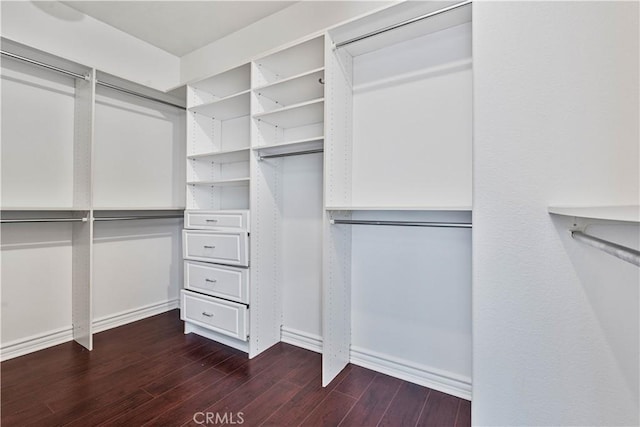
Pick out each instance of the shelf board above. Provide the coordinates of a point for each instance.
(400, 208)
(138, 209)
(294, 89)
(228, 156)
(305, 113)
(292, 147)
(235, 79)
(629, 213)
(222, 182)
(42, 209)
(232, 106)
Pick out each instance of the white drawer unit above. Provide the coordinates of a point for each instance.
(216, 246)
(225, 317)
(217, 280)
(216, 220)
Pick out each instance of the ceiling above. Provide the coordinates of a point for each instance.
(178, 27)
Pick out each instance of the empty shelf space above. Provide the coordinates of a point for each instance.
(302, 114)
(228, 156)
(629, 213)
(292, 147)
(401, 208)
(222, 182)
(223, 85)
(226, 108)
(305, 86)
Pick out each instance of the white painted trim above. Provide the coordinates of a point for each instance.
(427, 376)
(215, 336)
(129, 316)
(37, 342)
(301, 339)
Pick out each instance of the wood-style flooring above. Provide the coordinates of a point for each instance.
(150, 373)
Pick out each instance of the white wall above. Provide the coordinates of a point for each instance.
(60, 30)
(555, 323)
(294, 22)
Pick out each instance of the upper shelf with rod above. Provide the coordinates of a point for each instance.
(628, 213)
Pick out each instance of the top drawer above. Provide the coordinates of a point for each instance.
(212, 220)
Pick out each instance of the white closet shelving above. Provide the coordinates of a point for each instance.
(84, 171)
(630, 213)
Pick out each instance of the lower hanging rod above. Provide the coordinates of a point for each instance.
(32, 220)
(297, 153)
(403, 223)
(132, 218)
(618, 251)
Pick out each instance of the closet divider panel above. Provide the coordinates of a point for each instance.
(336, 290)
(82, 238)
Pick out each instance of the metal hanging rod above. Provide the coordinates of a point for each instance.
(297, 153)
(618, 251)
(403, 223)
(403, 23)
(17, 221)
(139, 95)
(131, 218)
(43, 65)
(86, 77)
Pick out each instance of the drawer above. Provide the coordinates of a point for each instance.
(217, 280)
(222, 316)
(238, 220)
(224, 247)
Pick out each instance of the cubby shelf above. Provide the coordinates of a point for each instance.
(629, 213)
(222, 182)
(294, 89)
(302, 114)
(227, 156)
(232, 106)
(401, 208)
(292, 146)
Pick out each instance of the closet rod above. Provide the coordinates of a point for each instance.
(14, 221)
(297, 153)
(139, 95)
(130, 218)
(403, 223)
(618, 251)
(43, 65)
(98, 82)
(403, 23)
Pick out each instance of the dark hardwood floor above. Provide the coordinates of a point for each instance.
(150, 373)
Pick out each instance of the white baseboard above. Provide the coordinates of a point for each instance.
(423, 375)
(301, 339)
(128, 316)
(37, 342)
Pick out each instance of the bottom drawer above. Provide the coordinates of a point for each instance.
(222, 316)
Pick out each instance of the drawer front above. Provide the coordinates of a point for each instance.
(213, 246)
(222, 316)
(238, 220)
(217, 280)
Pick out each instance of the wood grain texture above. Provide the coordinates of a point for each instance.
(150, 373)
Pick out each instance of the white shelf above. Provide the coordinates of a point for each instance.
(629, 213)
(295, 89)
(138, 209)
(292, 147)
(305, 113)
(41, 209)
(226, 83)
(222, 183)
(401, 208)
(233, 106)
(228, 156)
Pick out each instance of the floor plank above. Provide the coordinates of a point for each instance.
(150, 373)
